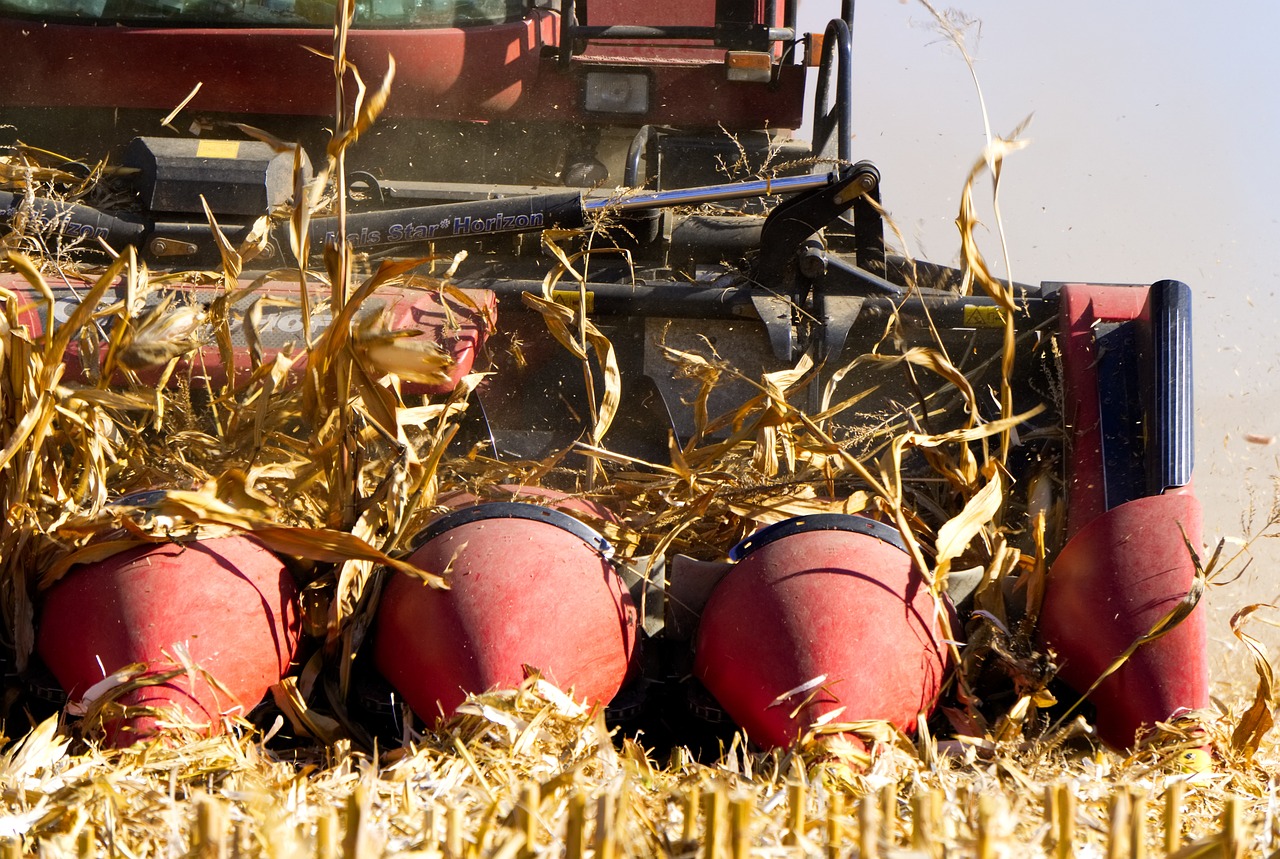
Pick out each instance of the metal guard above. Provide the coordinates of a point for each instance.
(818, 522)
(515, 510)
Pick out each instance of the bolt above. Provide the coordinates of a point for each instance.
(813, 265)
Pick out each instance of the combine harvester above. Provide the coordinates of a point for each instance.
(508, 119)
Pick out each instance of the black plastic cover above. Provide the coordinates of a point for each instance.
(236, 177)
(1171, 411)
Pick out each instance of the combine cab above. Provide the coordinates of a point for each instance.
(661, 138)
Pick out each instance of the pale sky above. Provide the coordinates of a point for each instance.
(1153, 155)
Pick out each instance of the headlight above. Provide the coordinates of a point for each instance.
(749, 66)
(616, 92)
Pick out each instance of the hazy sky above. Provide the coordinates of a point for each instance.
(1153, 154)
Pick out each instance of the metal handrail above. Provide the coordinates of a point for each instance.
(835, 119)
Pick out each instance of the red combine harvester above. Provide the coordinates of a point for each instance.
(508, 118)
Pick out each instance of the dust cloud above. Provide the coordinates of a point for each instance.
(1149, 158)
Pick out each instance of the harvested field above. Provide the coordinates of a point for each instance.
(529, 773)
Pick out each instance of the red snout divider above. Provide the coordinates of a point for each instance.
(528, 586)
(1115, 579)
(228, 600)
(1126, 566)
(829, 596)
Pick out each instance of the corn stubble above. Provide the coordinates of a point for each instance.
(337, 471)
(530, 772)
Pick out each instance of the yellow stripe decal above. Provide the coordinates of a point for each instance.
(217, 149)
(983, 316)
(571, 297)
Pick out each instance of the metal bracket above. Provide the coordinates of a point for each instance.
(775, 313)
(793, 221)
(837, 314)
(648, 589)
(160, 246)
(783, 238)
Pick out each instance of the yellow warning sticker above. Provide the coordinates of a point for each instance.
(572, 297)
(983, 316)
(217, 149)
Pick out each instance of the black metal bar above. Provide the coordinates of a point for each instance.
(449, 192)
(948, 311)
(368, 192)
(666, 300)
(638, 149)
(568, 24)
(734, 301)
(868, 231)
(371, 230)
(714, 193)
(524, 214)
(831, 272)
(74, 222)
(472, 219)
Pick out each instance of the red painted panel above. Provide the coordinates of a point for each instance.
(652, 13)
(671, 13)
(478, 74)
(475, 73)
(1083, 307)
(458, 328)
(657, 12)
